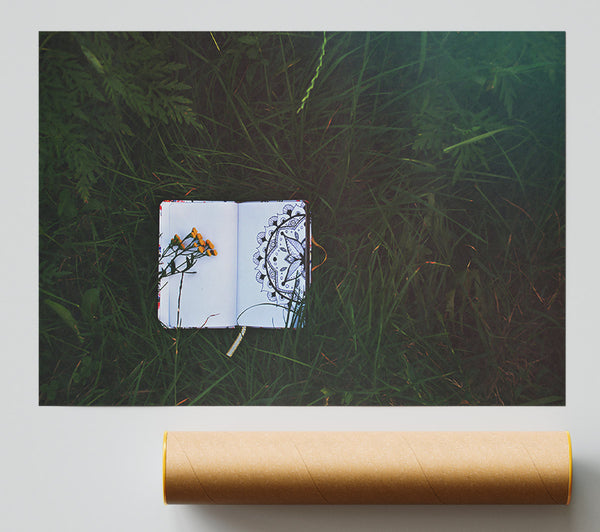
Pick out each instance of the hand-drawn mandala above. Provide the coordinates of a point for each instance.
(281, 256)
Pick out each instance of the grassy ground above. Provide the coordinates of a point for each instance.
(435, 168)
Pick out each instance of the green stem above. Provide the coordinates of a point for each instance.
(477, 138)
(177, 341)
(312, 81)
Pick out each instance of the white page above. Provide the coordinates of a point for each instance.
(271, 263)
(208, 297)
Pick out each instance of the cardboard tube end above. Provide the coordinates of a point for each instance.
(164, 467)
(570, 467)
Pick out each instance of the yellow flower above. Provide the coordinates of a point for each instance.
(201, 249)
(214, 252)
(176, 241)
(210, 244)
(202, 242)
(194, 232)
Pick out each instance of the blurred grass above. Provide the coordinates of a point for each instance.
(435, 169)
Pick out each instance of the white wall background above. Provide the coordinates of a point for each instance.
(97, 469)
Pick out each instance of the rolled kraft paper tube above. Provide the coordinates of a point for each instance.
(367, 467)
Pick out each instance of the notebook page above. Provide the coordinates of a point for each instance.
(272, 251)
(208, 295)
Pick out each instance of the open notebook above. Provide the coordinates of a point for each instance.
(258, 277)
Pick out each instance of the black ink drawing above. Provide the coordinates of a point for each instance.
(281, 256)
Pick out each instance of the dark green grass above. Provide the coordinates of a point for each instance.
(443, 281)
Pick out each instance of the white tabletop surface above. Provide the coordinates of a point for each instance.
(97, 469)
